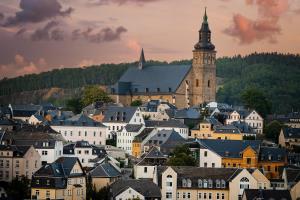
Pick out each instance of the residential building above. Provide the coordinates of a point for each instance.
(245, 129)
(126, 135)
(146, 168)
(137, 147)
(80, 127)
(84, 151)
(289, 138)
(62, 179)
(157, 110)
(250, 194)
(228, 132)
(45, 140)
(188, 116)
(172, 124)
(117, 117)
(205, 183)
(104, 175)
(291, 179)
(291, 120)
(16, 161)
(131, 189)
(205, 128)
(181, 85)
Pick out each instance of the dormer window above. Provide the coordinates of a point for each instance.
(158, 89)
(223, 184)
(147, 90)
(218, 184)
(48, 182)
(200, 183)
(170, 89)
(136, 90)
(37, 181)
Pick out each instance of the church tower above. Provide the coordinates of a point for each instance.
(204, 67)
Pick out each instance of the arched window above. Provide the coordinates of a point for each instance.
(244, 183)
(210, 183)
(199, 183)
(218, 183)
(223, 184)
(184, 184)
(189, 183)
(169, 182)
(169, 176)
(205, 183)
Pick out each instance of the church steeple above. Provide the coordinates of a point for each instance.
(204, 42)
(142, 60)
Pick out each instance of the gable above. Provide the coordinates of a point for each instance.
(128, 194)
(77, 169)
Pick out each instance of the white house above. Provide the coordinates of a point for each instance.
(80, 127)
(84, 151)
(116, 118)
(126, 136)
(157, 110)
(36, 119)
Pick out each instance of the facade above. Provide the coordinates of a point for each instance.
(181, 85)
(289, 137)
(84, 151)
(135, 189)
(35, 119)
(80, 127)
(62, 179)
(157, 110)
(16, 161)
(205, 183)
(138, 141)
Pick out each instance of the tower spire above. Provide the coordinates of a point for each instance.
(142, 60)
(205, 18)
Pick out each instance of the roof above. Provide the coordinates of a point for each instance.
(156, 79)
(140, 137)
(18, 151)
(267, 194)
(145, 187)
(105, 170)
(78, 120)
(70, 148)
(133, 127)
(163, 136)
(227, 129)
(243, 127)
(119, 114)
(230, 148)
(291, 132)
(187, 114)
(151, 157)
(38, 117)
(172, 123)
(272, 154)
(292, 175)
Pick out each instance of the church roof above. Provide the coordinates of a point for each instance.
(152, 79)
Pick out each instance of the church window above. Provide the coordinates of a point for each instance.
(208, 83)
(197, 82)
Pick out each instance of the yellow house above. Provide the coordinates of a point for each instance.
(62, 179)
(204, 130)
(245, 159)
(137, 147)
(228, 132)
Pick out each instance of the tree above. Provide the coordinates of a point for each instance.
(19, 188)
(254, 99)
(136, 103)
(92, 94)
(272, 130)
(182, 156)
(74, 105)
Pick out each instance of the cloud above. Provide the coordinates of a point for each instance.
(21, 66)
(21, 32)
(104, 35)
(1, 16)
(266, 26)
(33, 11)
(48, 32)
(120, 2)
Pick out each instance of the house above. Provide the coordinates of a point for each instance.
(131, 189)
(250, 194)
(24, 112)
(271, 159)
(227, 132)
(7, 124)
(117, 117)
(137, 147)
(291, 179)
(84, 151)
(45, 140)
(147, 165)
(289, 138)
(80, 127)
(205, 129)
(252, 118)
(62, 179)
(126, 135)
(16, 161)
(245, 129)
(36, 119)
(171, 124)
(104, 175)
(181, 85)
(277, 184)
(188, 116)
(291, 120)
(157, 110)
(205, 183)
(58, 115)
(262, 181)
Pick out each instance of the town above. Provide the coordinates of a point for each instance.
(158, 133)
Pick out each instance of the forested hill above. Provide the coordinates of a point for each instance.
(277, 75)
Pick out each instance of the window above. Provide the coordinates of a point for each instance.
(145, 169)
(223, 196)
(48, 182)
(37, 193)
(1, 163)
(188, 195)
(208, 83)
(210, 183)
(204, 195)
(223, 184)
(205, 164)
(199, 183)
(205, 153)
(244, 183)
(248, 161)
(184, 184)
(199, 195)
(17, 163)
(47, 193)
(189, 183)
(205, 183)
(37, 181)
(218, 183)
(147, 89)
(169, 195)
(209, 195)
(197, 82)
(158, 89)
(44, 153)
(213, 165)
(218, 196)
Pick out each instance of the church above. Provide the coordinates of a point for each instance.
(182, 85)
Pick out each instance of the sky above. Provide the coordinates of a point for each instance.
(41, 35)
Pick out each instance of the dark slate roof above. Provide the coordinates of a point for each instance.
(38, 117)
(227, 129)
(272, 154)
(267, 194)
(77, 120)
(145, 187)
(168, 123)
(18, 151)
(119, 114)
(70, 148)
(195, 173)
(187, 114)
(230, 148)
(167, 78)
(140, 137)
(291, 132)
(243, 127)
(292, 175)
(6, 122)
(152, 105)
(133, 127)
(105, 170)
(163, 136)
(151, 157)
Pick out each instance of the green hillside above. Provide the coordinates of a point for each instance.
(276, 75)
